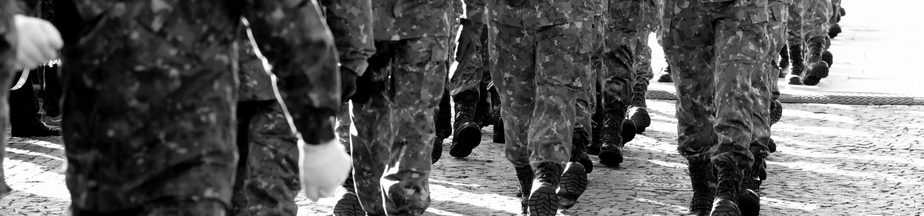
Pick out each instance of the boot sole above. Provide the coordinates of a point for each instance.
(467, 139)
(611, 158)
(749, 203)
(642, 121)
(816, 72)
(628, 131)
(543, 202)
(573, 184)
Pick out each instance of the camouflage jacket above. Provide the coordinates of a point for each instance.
(540, 13)
(175, 52)
(406, 19)
(351, 23)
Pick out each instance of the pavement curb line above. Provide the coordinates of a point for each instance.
(843, 99)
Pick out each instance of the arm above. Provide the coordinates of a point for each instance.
(298, 44)
(351, 23)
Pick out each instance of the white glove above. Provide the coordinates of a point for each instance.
(323, 168)
(39, 41)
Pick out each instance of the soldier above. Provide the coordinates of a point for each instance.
(469, 82)
(649, 16)
(25, 43)
(394, 106)
(540, 57)
(795, 42)
(717, 50)
(149, 121)
(816, 15)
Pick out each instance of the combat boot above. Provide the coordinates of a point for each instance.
(348, 205)
(628, 131)
(596, 135)
(703, 181)
(466, 132)
(499, 131)
(496, 114)
(834, 30)
(817, 69)
(666, 76)
(525, 177)
(579, 141)
(543, 200)
(827, 57)
(798, 65)
(728, 187)
(776, 111)
(640, 119)
(437, 150)
(573, 184)
(31, 128)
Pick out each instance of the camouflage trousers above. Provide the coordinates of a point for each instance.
(469, 84)
(393, 117)
(717, 51)
(777, 31)
(267, 175)
(642, 69)
(538, 72)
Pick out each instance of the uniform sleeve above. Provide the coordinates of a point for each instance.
(351, 23)
(298, 44)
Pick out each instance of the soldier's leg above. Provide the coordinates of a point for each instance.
(795, 42)
(5, 78)
(742, 113)
(639, 111)
(616, 96)
(418, 73)
(688, 45)
(513, 71)
(372, 119)
(349, 204)
(25, 119)
(815, 22)
(466, 88)
(268, 175)
(443, 123)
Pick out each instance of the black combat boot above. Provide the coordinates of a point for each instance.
(437, 150)
(817, 69)
(666, 76)
(827, 57)
(467, 133)
(728, 178)
(443, 121)
(640, 118)
(834, 30)
(628, 131)
(612, 140)
(703, 180)
(496, 113)
(798, 65)
(543, 200)
(749, 198)
(525, 176)
(776, 111)
(580, 141)
(348, 205)
(596, 135)
(573, 184)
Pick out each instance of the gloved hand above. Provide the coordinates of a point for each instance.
(347, 84)
(322, 168)
(39, 41)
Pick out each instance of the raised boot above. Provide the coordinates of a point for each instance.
(728, 187)
(573, 184)
(612, 140)
(640, 118)
(827, 57)
(702, 180)
(776, 111)
(543, 199)
(628, 131)
(466, 132)
(666, 76)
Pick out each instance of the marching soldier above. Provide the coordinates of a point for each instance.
(717, 50)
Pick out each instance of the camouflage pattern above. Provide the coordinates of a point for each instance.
(394, 104)
(350, 22)
(650, 18)
(717, 51)
(540, 57)
(267, 176)
(267, 179)
(151, 95)
(469, 83)
(626, 21)
(8, 41)
(794, 24)
(777, 31)
(815, 20)
(400, 19)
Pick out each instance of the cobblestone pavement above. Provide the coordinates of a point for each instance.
(832, 160)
